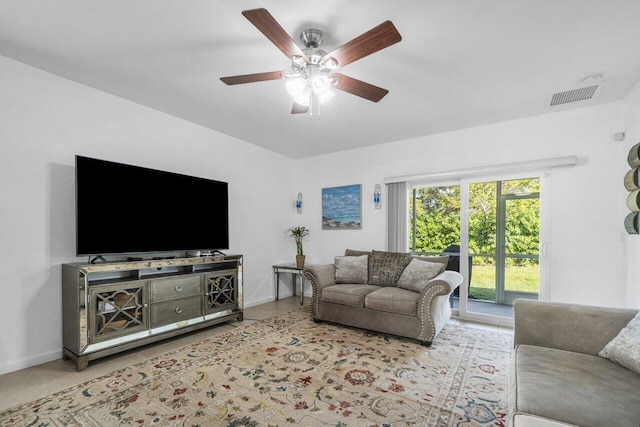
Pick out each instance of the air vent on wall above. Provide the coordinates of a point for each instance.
(573, 95)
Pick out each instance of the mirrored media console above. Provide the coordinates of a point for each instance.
(115, 306)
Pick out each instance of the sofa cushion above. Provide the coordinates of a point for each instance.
(354, 252)
(393, 300)
(575, 388)
(442, 259)
(624, 349)
(385, 268)
(352, 269)
(418, 274)
(351, 295)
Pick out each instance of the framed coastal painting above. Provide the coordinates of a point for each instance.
(342, 208)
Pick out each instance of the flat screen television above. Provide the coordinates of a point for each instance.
(125, 209)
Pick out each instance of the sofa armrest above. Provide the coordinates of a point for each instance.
(572, 327)
(442, 284)
(320, 277)
(433, 304)
(452, 279)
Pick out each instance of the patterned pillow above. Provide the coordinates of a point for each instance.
(385, 268)
(353, 252)
(624, 349)
(351, 269)
(418, 273)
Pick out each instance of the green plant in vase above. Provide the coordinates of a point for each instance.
(298, 234)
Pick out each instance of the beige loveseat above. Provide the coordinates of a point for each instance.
(393, 293)
(557, 375)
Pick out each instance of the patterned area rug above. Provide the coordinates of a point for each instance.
(288, 370)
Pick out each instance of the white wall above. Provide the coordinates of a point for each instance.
(587, 201)
(45, 120)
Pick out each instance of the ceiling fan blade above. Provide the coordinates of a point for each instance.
(377, 38)
(359, 88)
(267, 24)
(299, 108)
(250, 78)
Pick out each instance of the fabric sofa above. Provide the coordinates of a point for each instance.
(388, 292)
(566, 366)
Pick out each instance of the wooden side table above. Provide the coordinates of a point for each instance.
(295, 272)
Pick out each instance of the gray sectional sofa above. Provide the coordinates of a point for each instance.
(389, 292)
(568, 366)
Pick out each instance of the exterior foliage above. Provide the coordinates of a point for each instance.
(437, 220)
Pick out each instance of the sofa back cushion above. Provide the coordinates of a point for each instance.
(352, 269)
(419, 273)
(385, 268)
(353, 252)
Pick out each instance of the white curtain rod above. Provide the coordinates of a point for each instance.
(487, 170)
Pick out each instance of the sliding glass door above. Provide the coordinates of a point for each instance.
(491, 231)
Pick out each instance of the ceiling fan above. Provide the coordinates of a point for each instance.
(312, 72)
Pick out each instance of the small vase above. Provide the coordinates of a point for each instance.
(300, 261)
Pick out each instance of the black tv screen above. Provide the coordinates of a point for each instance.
(130, 209)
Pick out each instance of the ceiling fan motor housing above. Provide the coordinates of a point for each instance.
(311, 37)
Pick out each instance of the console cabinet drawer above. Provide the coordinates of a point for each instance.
(172, 311)
(174, 287)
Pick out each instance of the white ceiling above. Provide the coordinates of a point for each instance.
(461, 63)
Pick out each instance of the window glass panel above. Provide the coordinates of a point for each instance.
(483, 278)
(522, 277)
(482, 240)
(436, 220)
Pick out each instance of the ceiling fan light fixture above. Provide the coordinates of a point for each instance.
(303, 99)
(296, 86)
(320, 84)
(331, 64)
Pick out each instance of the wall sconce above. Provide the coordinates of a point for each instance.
(299, 203)
(376, 196)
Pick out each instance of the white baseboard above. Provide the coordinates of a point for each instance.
(32, 361)
(55, 355)
(258, 301)
(272, 298)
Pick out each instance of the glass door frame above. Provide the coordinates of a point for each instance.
(544, 176)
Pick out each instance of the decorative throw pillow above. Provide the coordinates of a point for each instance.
(624, 349)
(442, 259)
(353, 252)
(418, 273)
(352, 269)
(385, 268)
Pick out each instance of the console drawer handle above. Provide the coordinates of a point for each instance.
(179, 310)
(178, 288)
